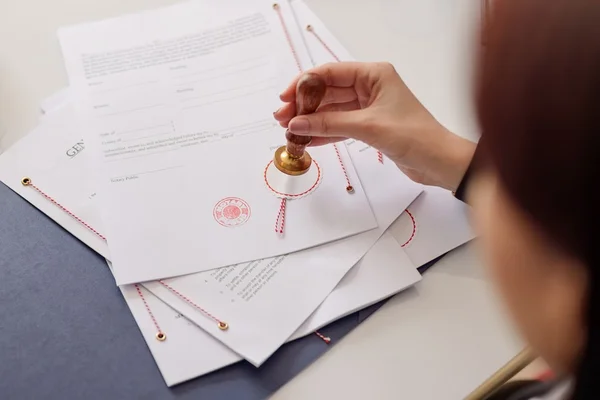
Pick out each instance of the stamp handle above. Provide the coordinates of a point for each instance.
(310, 92)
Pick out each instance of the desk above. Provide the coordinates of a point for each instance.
(437, 341)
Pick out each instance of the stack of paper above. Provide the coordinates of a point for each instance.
(155, 157)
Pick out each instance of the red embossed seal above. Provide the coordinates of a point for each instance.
(231, 211)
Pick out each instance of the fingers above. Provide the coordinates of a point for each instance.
(339, 74)
(285, 114)
(289, 93)
(339, 95)
(322, 141)
(353, 124)
(332, 95)
(347, 106)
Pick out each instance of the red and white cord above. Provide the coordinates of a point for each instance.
(414, 229)
(160, 335)
(280, 222)
(221, 324)
(277, 8)
(326, 339)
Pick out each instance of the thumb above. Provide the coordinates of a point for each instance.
(351, 124)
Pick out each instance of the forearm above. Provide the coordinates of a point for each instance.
(451, 162)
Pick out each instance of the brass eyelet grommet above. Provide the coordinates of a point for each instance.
(223, 326)
(26, 181)
(161, 337)
(350, 189)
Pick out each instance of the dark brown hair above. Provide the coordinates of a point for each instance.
(539, 109)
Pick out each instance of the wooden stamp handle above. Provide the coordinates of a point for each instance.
(310, 92)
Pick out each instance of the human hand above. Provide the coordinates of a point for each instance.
(370, 102)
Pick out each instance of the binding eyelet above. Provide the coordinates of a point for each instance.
(223, 326)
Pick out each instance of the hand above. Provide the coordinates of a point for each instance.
(370, 102)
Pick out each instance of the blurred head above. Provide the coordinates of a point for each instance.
(535, 200)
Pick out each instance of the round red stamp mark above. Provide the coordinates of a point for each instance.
(232, 211)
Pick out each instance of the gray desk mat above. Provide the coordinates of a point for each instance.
(66, 331)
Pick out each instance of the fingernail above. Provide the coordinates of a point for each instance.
(299, 126)
(275, 112)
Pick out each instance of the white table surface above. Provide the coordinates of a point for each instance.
(436, 341)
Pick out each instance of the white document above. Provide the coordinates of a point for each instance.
(436, 222)
(54, 157)
(291, 287)
(189, 352)
(286, 289)
(176, 107)
(382, 273)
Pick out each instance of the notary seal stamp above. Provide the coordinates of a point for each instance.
(232, 211)
(292, 187)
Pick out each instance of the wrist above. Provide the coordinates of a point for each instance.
(453, 155)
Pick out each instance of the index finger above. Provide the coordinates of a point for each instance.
(340, 74)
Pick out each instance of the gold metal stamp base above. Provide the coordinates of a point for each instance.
(290, 165)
